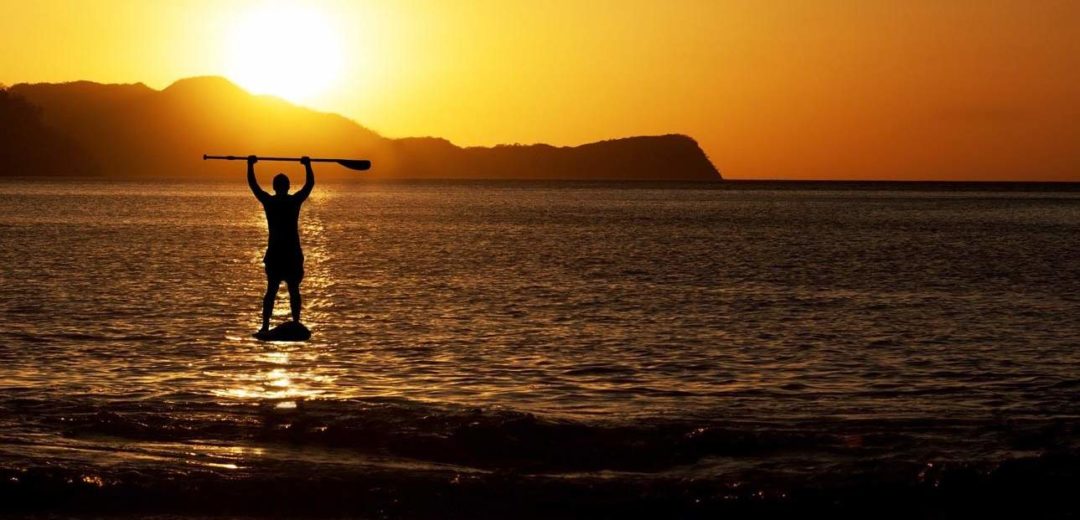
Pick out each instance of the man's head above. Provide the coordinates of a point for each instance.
(281, 184)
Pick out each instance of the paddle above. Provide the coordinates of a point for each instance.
(352, 164)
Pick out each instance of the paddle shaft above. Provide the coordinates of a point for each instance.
(289, 159)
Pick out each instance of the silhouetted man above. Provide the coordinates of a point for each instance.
(284, 259)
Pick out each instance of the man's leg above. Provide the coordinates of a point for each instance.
(268, 302)
(294, 299)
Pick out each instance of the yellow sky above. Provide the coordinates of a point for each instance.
(902, 89)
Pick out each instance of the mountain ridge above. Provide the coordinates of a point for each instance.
(132, 130)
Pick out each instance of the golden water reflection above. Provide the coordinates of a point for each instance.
(292, 376)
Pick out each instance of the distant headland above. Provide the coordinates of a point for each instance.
(133, 131)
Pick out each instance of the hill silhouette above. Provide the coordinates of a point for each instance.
(135, 131)
(28, 146)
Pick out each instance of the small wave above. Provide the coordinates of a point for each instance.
(502, 439)
(599, 370)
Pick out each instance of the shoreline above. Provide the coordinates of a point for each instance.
(960, 492)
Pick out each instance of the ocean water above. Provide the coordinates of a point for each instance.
(491, 348)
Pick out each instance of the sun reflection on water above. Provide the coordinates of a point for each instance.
(293, 378)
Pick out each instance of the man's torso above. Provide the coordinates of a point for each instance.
(282, 219)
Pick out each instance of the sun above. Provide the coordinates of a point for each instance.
(290, 51)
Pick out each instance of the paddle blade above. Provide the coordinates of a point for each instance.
(360, 165)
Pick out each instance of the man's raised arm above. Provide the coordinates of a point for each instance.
(309, 181)
(252, 183)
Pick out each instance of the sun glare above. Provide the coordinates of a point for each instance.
(293, 52)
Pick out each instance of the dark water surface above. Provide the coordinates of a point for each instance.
(539, 346)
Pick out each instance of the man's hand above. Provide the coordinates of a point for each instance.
(252, 159)
(305, 160)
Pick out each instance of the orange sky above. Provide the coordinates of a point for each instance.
(890, 89)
